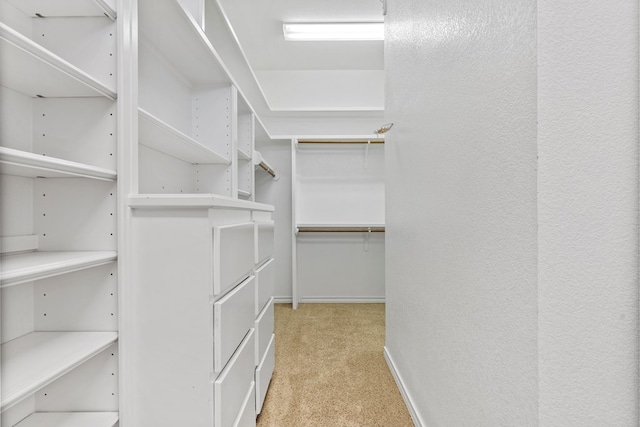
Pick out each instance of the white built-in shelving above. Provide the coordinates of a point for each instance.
(26, 164)
(156, 134)
(49, 75)
(78, 8)
(199, 64)
(39, 358)
(58, 189)
(29, 266)
(70, 419)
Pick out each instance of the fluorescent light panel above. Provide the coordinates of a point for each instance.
(333, 31)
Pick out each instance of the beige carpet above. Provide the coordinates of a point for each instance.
(330, 369)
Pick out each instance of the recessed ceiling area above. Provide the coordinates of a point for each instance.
(329, 76)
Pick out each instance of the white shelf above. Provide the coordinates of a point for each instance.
(339, 225)
(242, 193)
(28, 68)
(243, 155)
(39, 358)
(193, 201)
(70, 419)
(25, 267)
(175, 32)
(48, 8)
(156, 134)
(22, 163)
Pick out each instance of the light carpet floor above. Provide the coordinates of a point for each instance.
(330, 369)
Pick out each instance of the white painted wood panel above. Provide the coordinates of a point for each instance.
(62, 8)
(233, 316)
(265, 280)
(85, 300)
(82, 130)
(17, 311)
(90, 225)
(156, 134)
(247, 415)
(100, 388)
(264, 329)
(49, 76)
(264, 371)
(231, 385)
(264, 240)
(70, 419)
(10, 244)
(233, 255)
(88, 43)
(35, 360)
(20, 268)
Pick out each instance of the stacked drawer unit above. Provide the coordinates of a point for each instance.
(194, 339)
(264, 320)
(233, 315)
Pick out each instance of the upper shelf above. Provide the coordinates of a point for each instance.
(30, 266)
(156, 134)
(28, 68)
(193, 201)
(39, 358)
(70, 419)
(48, 8)
(170, 28)
(22, 163)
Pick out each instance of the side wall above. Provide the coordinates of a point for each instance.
(461, 209)
(278, 193)
(588, 212)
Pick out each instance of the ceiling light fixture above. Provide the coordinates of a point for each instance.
(333, 31)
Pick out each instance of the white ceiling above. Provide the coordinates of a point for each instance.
(258, 27)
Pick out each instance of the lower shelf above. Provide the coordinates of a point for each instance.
(37, 359)
(70, 419)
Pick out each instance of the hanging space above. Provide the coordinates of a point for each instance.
(338, 204)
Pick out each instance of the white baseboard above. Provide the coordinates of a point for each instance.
(282, 300)
(330, 300)
(403, 391)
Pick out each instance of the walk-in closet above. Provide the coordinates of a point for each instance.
(241, 213)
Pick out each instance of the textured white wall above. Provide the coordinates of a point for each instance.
(461, 208)
(588, 212)
(512, 283)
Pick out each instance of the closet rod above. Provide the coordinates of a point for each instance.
(267, 169)
(341, 229)
(340, 141)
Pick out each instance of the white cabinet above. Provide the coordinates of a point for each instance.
(59, 205)
(194, 349)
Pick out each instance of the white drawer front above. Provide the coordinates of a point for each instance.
(264, 237)
(264, 330)
(233, 254)
(265, 284)
(264, 372)
(232, 318)
(230, 387)
(247, 415)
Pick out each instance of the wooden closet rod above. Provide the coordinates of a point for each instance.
(341, 229)
(340, 141)
(267, 169)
